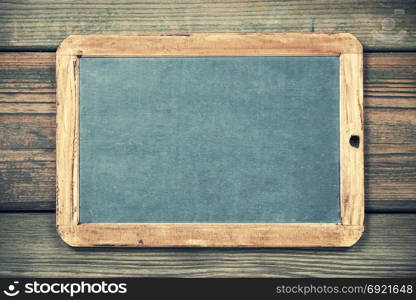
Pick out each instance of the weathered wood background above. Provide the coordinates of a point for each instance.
(29, 245)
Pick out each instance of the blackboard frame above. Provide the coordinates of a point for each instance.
(345, 234)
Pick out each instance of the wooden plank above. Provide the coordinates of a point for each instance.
(210, 44)
(41, 24)
(386, 249)
(22, 131)
(351, 114)
(390, 80)
(27, 139)
(390, 126)
(27, 179)
(27, 83)
(27, 78)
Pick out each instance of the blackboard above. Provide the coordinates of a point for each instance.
(209, 139)
(180, 150)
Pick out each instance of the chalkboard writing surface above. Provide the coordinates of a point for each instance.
(209, 139)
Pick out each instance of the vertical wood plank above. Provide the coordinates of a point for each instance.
(352, 125)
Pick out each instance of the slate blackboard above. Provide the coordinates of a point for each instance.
(209, 139)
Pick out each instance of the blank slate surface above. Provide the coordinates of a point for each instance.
(209, 139)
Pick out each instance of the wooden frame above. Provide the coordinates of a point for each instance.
(346, 46)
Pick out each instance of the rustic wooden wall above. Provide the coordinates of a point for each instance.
(29, 245)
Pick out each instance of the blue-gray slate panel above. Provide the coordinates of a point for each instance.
(212, 139)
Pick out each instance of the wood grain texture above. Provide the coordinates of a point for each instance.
(351, 114)
(390, 126)
(27, 83)
(210, 44)
(21, 131)
(385, 250)
(390, 80)
(390, 130)
(250, 235)
(41, 24)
